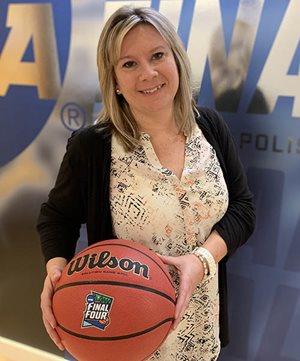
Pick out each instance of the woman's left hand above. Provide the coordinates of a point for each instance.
(191, 273)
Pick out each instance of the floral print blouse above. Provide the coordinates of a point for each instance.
(171, 216)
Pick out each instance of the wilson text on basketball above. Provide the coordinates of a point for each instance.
(106, 260)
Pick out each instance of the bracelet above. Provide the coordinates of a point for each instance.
(205, 265)
(209, 264)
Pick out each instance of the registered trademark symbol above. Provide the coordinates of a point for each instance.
(73, 116)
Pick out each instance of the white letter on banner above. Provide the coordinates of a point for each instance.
(274, 75)
(207, 42)
(171, 10)
(206, 19)
(112, 6)
(30, 22)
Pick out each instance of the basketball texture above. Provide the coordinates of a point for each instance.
(115, 301)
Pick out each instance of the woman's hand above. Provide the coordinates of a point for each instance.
(54, 270)
(191, 273)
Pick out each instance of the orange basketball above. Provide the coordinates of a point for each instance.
(115, 301)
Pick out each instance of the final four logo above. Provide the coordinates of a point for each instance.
(97, 311)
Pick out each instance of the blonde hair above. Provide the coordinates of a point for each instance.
(115, 112)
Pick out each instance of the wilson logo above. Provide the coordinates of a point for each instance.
(106, 260)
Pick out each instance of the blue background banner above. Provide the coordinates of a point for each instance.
(245, 59)
(27, 100)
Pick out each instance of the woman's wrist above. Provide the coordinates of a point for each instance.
(208, 262)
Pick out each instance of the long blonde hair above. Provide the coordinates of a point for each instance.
(115, 111)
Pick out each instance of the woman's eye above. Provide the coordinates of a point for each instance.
(158, 55)
(128, 64)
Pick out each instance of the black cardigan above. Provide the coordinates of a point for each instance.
(81, 195)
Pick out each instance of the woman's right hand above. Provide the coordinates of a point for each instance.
(54, 271)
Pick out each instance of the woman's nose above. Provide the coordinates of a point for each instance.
(147, 71)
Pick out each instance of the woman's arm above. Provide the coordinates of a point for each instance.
(59, 224)
(62, 214)
(238, 223)
(54, 268)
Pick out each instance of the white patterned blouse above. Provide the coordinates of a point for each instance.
(150, 205)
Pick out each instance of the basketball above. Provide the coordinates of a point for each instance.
(115, 301)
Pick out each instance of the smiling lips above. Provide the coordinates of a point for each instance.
(152, 90)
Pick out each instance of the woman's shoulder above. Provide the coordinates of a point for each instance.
(209, 120)
(90, 135)
(88, 143)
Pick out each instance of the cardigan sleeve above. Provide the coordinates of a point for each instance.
(238, 223)
(61, 215)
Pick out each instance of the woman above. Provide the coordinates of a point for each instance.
(153, 151)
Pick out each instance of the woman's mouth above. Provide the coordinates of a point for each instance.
(152, 90)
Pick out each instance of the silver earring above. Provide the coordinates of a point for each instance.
(118, 91)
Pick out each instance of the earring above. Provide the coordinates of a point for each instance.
(118, 91)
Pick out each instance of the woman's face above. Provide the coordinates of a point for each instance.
(146, 72)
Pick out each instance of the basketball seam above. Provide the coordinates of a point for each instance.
(114, 283)
(114, 338)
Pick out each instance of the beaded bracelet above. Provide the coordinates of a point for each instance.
(208, 261)
(204, 263)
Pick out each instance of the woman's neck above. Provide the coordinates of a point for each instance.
(157, 123)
